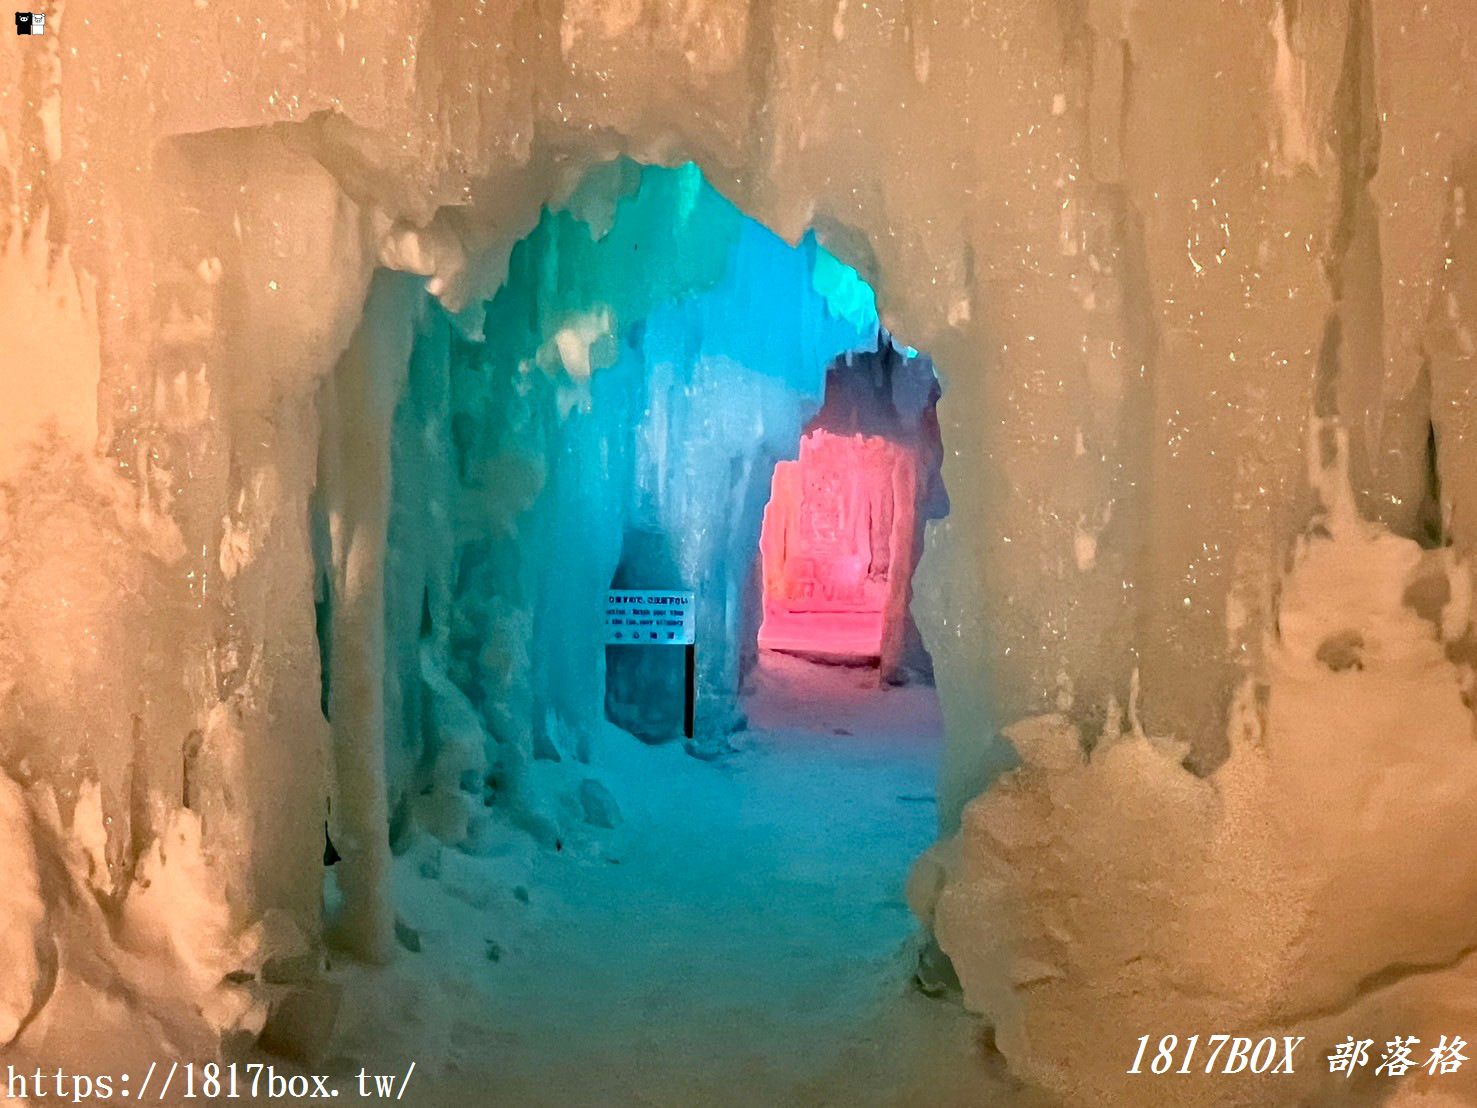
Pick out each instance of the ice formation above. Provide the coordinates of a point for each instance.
(836, 516)
(843, 530)
(1275, 897)
(247, 254)
(624, 397)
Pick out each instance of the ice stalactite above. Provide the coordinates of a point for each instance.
(433, 740)
(1389, 428)
(1421, 66)
(1451, 345)
(359, 401)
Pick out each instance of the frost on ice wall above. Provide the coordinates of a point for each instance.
(610, 417)
(1146, 243)
(1318, 884)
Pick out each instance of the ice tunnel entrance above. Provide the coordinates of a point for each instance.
(843, 530)
(612, 416)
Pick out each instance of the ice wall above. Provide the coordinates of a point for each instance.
(1144, 240)
(681, 348)
(732, 378)
(1278, 896)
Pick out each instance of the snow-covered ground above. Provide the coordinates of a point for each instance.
(739, 938)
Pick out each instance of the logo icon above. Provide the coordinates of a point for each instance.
(30, 23)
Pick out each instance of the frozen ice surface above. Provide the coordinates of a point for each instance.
(23, 917)
(1277, 895)
(705, 952)
(836, 514)
(1148, 245)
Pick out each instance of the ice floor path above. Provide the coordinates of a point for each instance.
(739, 939)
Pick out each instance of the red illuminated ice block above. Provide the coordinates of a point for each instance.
(835, 525)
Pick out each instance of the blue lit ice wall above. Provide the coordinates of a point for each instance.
(729, 379)
(649, 357)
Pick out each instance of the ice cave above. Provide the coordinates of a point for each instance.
(614, 553)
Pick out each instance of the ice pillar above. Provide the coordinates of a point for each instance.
(359, 406)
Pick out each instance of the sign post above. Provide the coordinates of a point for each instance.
(656, 617)
(691, 682)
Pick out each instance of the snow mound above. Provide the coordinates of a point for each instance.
(1100, 897)
(22, 915)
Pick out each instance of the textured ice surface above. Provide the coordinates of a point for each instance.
(611, 419)
(702, 953)
(836, 523)
(22, 918)
(1274, 897)
(1146, 243)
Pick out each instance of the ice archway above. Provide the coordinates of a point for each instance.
(612, 413)
(1138, 295)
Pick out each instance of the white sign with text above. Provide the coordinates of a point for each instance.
(650, 617)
